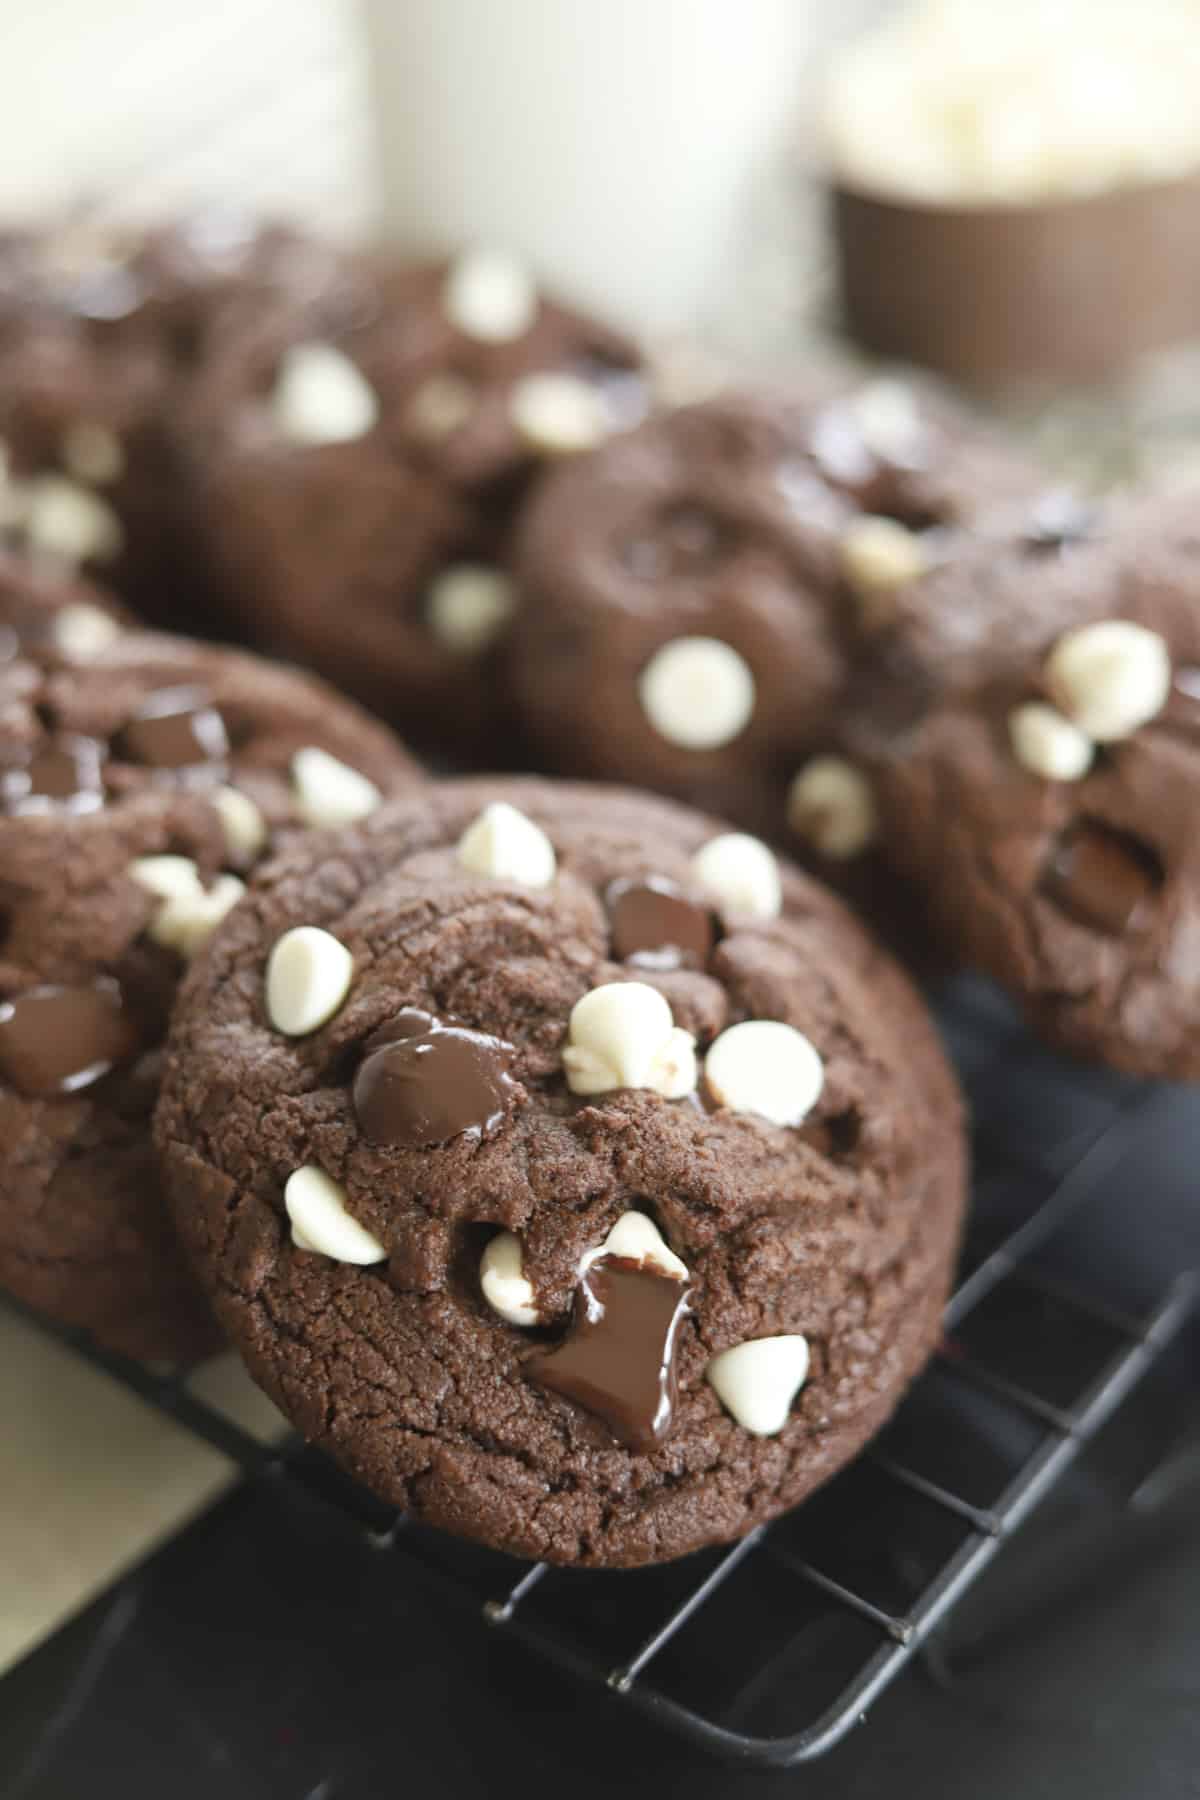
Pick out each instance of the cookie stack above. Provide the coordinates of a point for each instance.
(566, 1161)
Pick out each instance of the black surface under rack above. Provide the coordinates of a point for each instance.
(771, 1650)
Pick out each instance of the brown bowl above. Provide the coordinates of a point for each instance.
(1069, 290)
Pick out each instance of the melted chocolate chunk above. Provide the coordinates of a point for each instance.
(56, 1040)
(1102, 878)
(656, 926)
(65, 772)
(421, 1082)
(619, 1359)
(175, 728)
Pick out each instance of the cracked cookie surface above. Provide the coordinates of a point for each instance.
(1074, 882)
(734, 527)
(100, 776)
(392, 1350)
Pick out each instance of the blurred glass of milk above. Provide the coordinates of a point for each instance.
(615, 143)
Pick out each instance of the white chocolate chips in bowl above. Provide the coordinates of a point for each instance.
(1106, 681)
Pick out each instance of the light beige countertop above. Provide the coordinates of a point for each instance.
(91, 1477)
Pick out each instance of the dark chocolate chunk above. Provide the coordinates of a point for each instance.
(421, 1081)
(619, 1359)
(1103, 878)
(55, 1040)
(64, 772)
(175, 728)
(656, 926)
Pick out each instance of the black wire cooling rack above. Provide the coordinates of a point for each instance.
(1035, 1358)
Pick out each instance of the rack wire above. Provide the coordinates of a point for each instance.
(846, 1590)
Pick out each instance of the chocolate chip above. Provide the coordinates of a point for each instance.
(174, 728)
(56, 1040)
(1057, 519)
(421, 1081)
(1103, 878)
(66, 772)
(618, 1361)
(655, 925)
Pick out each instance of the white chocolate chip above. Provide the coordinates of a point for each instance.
(1110, 678)
(490, 296)
(328, 792)
(622, 1035)
(741, 874)
(757, 1381)
(502, 1279)
(503, 844)
(308, 976)
(190, 912)
(767, 1068)
(878, 556)
(889, 419)
(67, 524)
(440, 405)
(82, 630)
(469, 606)
(831, 806)
(92, 453)
(243, 824)
(697, 693)
(636, 1238)
(316, 1206)
(1047, 744)
(559, 415)
(321, 397)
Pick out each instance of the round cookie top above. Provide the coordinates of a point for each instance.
(1035, 772)
(360, 468)
(102, 329)
(693, 597)
(580, 1175)
(137, 788)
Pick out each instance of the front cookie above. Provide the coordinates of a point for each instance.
(578, 1174)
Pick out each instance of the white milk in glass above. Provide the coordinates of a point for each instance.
(615, 143)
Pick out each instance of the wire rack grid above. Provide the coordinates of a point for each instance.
(846, 1590)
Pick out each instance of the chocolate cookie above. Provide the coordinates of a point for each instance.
(694, 596)
(580, 1176)
(1030, 734)
(359, 472)
(101, 331)
(53, 616)
(137, 789)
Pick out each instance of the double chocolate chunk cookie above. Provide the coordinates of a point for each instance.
(579, 1175)
(1030, 734)
(694, 596)
(102, 330)
(359, 469)
(50, 615)
(137, 789)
